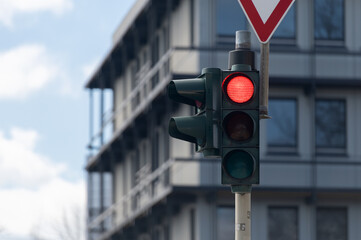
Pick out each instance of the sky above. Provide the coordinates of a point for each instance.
(48, 51)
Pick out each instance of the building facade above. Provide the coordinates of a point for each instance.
(144, 185)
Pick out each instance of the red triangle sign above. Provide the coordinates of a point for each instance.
(265, 15)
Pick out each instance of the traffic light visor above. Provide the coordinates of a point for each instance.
(190, 129)
(239, 164)
(238, 88)
(188, 91)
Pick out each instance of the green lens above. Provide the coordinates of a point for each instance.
(239, 164)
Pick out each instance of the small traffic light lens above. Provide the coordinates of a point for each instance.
(239, 164)
(239, 88)
(239, 126)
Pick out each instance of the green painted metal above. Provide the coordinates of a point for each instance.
(202, 93)
(240, 135)
(187, 91)
(190, 129)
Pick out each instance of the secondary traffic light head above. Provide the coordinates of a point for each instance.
(240, 126)
(201, 93)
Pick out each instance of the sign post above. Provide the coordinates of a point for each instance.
(264, 17)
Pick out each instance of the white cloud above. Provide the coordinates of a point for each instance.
(10, 8)
(25, 70)
(40, 212)
(33, 194)
(20, 166)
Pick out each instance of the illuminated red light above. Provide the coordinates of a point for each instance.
(239, 89)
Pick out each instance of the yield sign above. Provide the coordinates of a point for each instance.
(265, 15)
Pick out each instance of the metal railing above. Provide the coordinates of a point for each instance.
(151, 188)
(140, 96)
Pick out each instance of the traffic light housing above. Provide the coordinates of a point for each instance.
(240, 126)
(202, 128)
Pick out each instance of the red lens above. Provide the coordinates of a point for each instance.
(240, 89)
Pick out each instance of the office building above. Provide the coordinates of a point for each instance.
(144, 185)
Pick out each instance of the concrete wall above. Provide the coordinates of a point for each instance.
(306, 217)
(300, 175)
(183, 61)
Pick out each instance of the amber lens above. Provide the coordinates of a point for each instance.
(239, 126)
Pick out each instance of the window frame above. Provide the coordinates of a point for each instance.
(274, 149)
(226, 39)
(218, 222)
(286, 40)
(332, 208)
(331, 150)
(330, 42)
(295, 207)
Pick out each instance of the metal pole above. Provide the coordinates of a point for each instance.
(264, 77)
(101, 117)
(243, 216)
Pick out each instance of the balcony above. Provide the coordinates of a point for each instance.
(151, 81)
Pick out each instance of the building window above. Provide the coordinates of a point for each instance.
(282, 128)
(329, 20)
(155, 50)
(94, 196)
(192, 224)
(282, 223)
(155, 154)
(107, 196)
(287, 28)
(230, 18)
(225, 223)
(331, 223)
(330, 125)
(135, 167)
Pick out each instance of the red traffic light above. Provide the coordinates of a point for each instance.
(238, 88)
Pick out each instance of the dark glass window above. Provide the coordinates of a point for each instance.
(329, 19)
(230, 18)
(107, 188)
(282, 223)
(331, 223)
(155, 154)
(225, 223)
(287, 28)
(330, 123)
(282, 128)
(155, 50)
(94, 193)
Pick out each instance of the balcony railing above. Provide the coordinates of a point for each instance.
(150, 83)
(189, 172)
(149, 190)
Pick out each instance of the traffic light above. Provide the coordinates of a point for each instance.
(202, 128)
(240, 126)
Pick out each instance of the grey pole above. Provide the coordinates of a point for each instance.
(242, 55)
(243, 216)
(264, 84)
